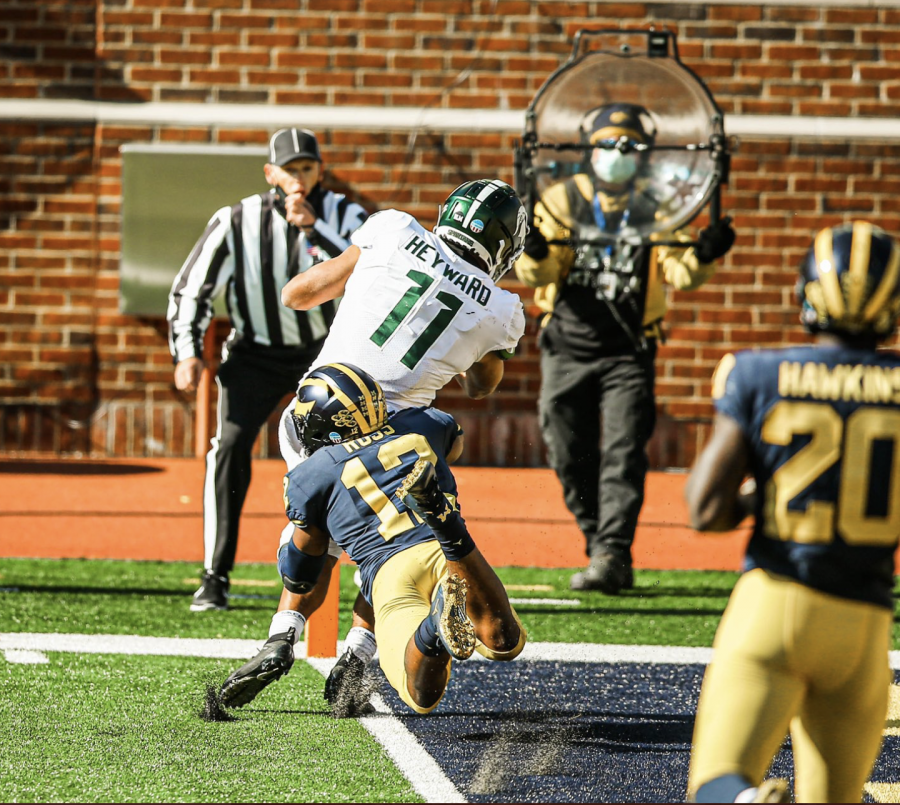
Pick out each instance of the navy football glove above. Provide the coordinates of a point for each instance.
(715, 241)
(536, 246)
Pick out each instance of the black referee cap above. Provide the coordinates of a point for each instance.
(287, 145)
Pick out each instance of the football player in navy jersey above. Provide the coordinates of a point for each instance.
(382, 489)
(803, 644)
(418, 308)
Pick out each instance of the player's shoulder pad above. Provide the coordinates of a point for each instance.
(746, 367)
(517, 319)
(386, 222)
(720, 375)
(442, 417)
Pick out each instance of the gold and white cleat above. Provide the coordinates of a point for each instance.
(448, 614)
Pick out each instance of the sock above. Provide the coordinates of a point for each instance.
(722, 789)
(284, 620)
(452, 534)
(362, 643)
(427, 640)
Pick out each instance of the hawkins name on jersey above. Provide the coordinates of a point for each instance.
(824, 425)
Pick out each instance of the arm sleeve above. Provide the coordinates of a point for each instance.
(302, 500)
(506, 329)
(448, 430)
(207, 270)
(515, 328)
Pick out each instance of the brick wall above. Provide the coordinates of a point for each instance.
(76, 376)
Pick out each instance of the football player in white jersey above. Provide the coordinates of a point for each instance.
(418, 309)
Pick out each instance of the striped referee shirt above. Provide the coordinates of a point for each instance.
(250, 251)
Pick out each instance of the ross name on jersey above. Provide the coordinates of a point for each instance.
(470, 285)
(868, 384)
(364, 441)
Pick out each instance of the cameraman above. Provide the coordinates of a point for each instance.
(604, 306)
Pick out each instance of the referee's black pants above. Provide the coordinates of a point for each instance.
(596, 418)
(252, 381)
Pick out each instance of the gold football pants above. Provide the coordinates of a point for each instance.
(401, 598)
(790, 657)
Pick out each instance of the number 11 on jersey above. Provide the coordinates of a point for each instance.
(401, 312)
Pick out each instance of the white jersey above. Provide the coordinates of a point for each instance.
(414, 315)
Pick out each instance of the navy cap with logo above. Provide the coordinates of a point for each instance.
(287, 145)
(618, 119)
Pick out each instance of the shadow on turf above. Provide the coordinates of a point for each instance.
(618, 610)
(129, 591)
(79, 467)
(676, 592)
(617, 727)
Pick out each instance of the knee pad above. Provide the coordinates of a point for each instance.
(299, 571)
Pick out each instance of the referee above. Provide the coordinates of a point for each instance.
(250, 250)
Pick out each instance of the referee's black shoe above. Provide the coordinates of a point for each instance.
(213, 593)
(272, 662)
(609, 573)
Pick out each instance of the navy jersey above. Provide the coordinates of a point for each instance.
(823, 425)
(347, 490)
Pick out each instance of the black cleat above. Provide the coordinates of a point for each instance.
(272, 662)
(607, 573)
(213, 593)
(449, 617)
(421, 492)
(345, 690)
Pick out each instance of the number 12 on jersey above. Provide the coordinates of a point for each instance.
(401, 312)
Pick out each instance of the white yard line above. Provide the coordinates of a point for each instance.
(26, 657)
(244, 649)
(550, 602)
(420, 768)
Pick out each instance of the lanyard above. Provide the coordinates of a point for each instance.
(600, 218)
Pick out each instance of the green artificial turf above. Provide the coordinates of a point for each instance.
(113, 728)
(677, 607)
(120, 728)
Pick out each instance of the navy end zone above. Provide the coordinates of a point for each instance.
(576, 732)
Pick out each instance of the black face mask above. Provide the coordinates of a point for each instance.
(280, 198)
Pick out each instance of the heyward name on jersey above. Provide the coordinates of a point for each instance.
(467, 283)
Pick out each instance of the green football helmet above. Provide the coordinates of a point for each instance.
(485, 222)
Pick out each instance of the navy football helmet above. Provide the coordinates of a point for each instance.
(850, 282)
(335, 403)
(485, 222)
